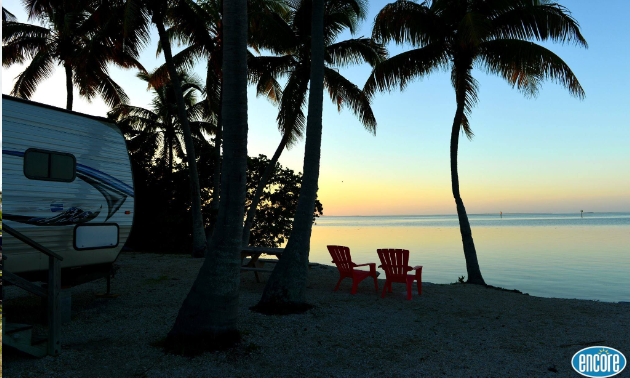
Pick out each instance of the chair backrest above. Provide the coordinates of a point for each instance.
(395, 263)
(341, 258)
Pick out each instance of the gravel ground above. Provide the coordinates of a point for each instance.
(451, 330)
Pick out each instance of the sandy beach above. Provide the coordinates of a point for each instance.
(451, 330)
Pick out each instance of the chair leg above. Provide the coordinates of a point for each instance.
(419, 287)
(375, 282)
(338, 283)
(384, 289)
(355, 284)
(409, 290)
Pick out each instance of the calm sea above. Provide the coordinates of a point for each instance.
(548, 255)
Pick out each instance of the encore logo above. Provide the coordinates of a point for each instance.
(599, 362)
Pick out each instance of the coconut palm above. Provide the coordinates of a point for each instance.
(138, 16)
(84, 36)
(291, 38)
(199, 27)
(320, 21)
(207, 318)
(159, 127)
(493, 35)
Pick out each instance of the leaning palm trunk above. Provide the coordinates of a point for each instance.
(472, 265)
(69, 86)
(207, 319)
(285, 291)
(271, 166)
(199, 237)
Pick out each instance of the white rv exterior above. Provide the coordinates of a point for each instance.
(78, 198)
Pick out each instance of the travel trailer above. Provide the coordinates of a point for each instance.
(68, 186)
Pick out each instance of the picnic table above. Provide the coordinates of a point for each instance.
(255, 263)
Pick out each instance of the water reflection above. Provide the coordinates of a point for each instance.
(555, 261)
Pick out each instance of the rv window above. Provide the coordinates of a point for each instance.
(47, 165)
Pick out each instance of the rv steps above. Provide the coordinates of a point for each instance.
(20, 337)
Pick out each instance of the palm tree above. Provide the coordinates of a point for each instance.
(291, 38)
(159, 127)
(460, 34)
(137, 18)
(285, 291)
(199, 26)
(84, 36)
(207, 319)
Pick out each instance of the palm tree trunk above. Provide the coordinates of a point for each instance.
(170, 184)
(472, 265)
(199, 237)
(216, 175)
(208, 316)
(69, 86)
(285, 291)
(170, 158)
(251, 212)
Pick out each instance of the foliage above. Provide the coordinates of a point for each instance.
(458, 35)
(158, 130)
(276, 209)
(162, 220)
(289, 35)
(83, 35)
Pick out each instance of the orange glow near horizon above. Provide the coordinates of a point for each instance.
(358, 196)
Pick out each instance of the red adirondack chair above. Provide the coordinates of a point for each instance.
(394, 263)
(341, 258)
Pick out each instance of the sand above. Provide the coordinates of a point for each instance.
(448, 331)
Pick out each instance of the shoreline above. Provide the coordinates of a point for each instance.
(450, 330)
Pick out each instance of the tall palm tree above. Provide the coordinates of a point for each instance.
(84, 36)
(292, 40)
(494, 35)
(137, 18)
(199, 26)
(285, 291)
(159, 126)
(207, 319)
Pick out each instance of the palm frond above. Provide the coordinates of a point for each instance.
(269, 27)
(355, 51)
(466, 88)
(538, 20)
(407, 22)
(525, 64)
(183, 60)
(40, 68)
(110, 92)
(344, 93)
(399, 70)
(21, 42)
(269, 87)
(274, 66)
(291, 117)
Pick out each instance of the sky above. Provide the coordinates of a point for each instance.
(553, 153)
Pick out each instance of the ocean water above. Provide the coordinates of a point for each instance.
(547, 255)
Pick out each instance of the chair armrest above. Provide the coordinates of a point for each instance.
(371, 265)
(417, 267)
(365, 264)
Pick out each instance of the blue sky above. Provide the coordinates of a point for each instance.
(553, 153)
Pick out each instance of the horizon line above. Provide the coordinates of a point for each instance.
(516, 213)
